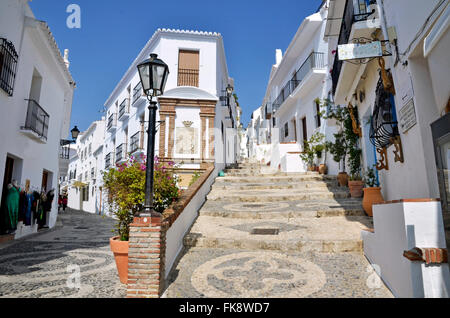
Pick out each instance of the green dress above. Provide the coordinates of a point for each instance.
(12, 208)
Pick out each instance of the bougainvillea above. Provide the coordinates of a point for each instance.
(125, 187)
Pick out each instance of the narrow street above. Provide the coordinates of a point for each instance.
(276, 235)
(45, 265)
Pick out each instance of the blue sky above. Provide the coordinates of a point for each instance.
(113, 33)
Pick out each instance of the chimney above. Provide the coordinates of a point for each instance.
(278, 56)
(66, 58)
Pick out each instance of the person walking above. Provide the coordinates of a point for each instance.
(64, 203)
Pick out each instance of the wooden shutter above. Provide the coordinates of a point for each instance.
(188, 68)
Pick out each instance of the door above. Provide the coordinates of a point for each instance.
(369, 148)
(44, 180)
(441, 137)
(7, 179)
(305, 129)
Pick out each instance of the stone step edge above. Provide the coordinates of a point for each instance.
(340, 246)
(283, 214)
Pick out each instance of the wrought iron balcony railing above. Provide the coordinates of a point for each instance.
(188, 77)
(124, 108)
(137, 93)
(351, 15)
(137, 142)
(64, 153)
(112, 121)
(8, 66)
(121, 153)
(37, 119)
(108, 160)
(315, 60)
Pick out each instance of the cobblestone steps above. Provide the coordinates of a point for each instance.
(325, 235)
(271, 196)
(250, 210)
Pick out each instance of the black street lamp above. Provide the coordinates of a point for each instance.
(75, 132)
(153, 73)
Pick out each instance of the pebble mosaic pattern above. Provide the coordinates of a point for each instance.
(46, 266)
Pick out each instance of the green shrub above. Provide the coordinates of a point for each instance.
(125, 187)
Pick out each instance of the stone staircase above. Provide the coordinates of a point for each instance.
(253, 208)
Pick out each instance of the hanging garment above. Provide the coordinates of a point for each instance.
(41, 210)
(22, 206)
(29, 206)
(35, 207)
(12, 208)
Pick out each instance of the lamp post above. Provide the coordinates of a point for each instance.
(75, 132)
(153, 73)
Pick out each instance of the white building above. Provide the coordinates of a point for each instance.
(36, 91)
(402, 95)
(290, 112)
(85, 170)
(196, 122)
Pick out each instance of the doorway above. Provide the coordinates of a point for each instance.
(7, 179)
(304, 131)
(369, 148)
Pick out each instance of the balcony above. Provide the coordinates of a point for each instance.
(124, 109)
(121, 153)
(315, 65)
(188, 77)
(36, 122)
(108, 160)
(112, 123)
(357, 22)
(137, 144)
(138, 96)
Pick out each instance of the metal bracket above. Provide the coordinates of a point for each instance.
(383, 163)
(398, 152)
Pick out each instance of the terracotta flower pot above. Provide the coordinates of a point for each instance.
(356, 188)
(371, 196)
(120, 250)
(323, 169)
(343, 179)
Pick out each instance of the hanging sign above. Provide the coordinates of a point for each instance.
(354, 51)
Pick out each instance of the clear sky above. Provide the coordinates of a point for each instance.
(113, 33)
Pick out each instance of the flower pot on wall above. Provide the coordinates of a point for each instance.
(343, 179)
(356, 188)
(323, 169)
(120, 250)
(371, 196)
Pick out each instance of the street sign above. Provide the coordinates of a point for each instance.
(354, 51)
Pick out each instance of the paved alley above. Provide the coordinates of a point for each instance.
(46, 265)
(276, 235)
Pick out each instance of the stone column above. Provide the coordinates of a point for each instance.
(146, 258)
(171, 153)
(162, 137)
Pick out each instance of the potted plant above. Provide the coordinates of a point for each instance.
(345, 145)
(313, 148)
(372, 192)
(125, 188)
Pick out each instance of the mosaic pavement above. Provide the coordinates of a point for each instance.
(285, 236)
(235, 273)
(73, 261)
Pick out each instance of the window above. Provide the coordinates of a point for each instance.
(286, 130)
(188, 68)
(8, 66)
(318, 121)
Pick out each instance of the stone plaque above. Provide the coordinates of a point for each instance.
(407, 116)
(187, 140)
